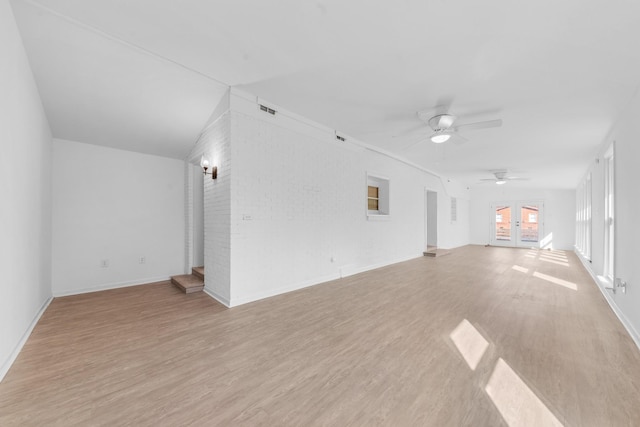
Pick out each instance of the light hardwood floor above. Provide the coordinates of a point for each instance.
(484, 336)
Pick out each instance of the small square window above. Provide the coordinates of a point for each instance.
(377, 196)
(373, 201)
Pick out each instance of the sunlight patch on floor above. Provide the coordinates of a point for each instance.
(520, 269)
(470, 343)
(555, 280)
(553, 256)
(516, 402)
(553, 261)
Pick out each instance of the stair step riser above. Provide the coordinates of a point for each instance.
(188, 283)
(197, 273)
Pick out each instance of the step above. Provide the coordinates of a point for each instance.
(434, 252)
(188, 283)
(198, 271)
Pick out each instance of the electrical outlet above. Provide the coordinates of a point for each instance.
(104, 263)
(142, 260)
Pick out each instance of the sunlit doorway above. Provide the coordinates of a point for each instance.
(517, 224)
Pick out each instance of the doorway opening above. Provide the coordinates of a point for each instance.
(198, 217)
(431, 221)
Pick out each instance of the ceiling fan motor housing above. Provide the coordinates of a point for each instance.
(441, 122)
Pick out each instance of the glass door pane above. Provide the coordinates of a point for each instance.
(502, 232)
(529, 220)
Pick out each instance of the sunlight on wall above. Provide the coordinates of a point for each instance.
(557, 281)
(470, 343)
(516, 402)
(547, 242)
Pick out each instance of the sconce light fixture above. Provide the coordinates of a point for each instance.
(204, 163)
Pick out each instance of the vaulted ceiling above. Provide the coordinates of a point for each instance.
(145, 75)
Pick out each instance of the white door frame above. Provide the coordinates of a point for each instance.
(515, 224)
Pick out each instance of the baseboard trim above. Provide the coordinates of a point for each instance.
(222, 300)
(108, 286)
(344, 271)
(612, 303)
(283, 290)
(351, 271)
(18, 348)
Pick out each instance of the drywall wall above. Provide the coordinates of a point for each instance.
(624, 138)
(559, 212)
(25, 191)
(298, 205)
(115, 206)
(198, 217)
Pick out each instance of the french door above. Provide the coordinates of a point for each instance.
(517, 224)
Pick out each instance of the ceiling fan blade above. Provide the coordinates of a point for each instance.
(480, 125)
(515, 178)
(458, 139)
(488, 179)
(414, 143)
(410, 130)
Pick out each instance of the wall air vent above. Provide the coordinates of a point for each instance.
(268, 110)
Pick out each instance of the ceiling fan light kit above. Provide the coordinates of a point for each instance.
(440, 137)
(502, 176)
(443, 126)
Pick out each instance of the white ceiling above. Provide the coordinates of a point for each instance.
(145, 75)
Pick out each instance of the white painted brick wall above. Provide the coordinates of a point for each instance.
(298, 207)
(290, 210)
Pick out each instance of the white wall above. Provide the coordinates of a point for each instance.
(625, 136)
(298, 205)
(115, 205)
(214, 143)
(559, 212)
(25, 194)
(198, 217)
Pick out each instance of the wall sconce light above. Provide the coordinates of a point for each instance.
(204, 163)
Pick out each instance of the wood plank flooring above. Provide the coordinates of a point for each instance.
(483, 337)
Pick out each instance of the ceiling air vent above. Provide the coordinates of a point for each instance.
(268, 110)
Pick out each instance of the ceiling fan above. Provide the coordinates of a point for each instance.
(443, 126)
(502, 176)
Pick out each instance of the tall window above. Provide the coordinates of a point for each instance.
(609, 215)
(587, 218)
(583, 218)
